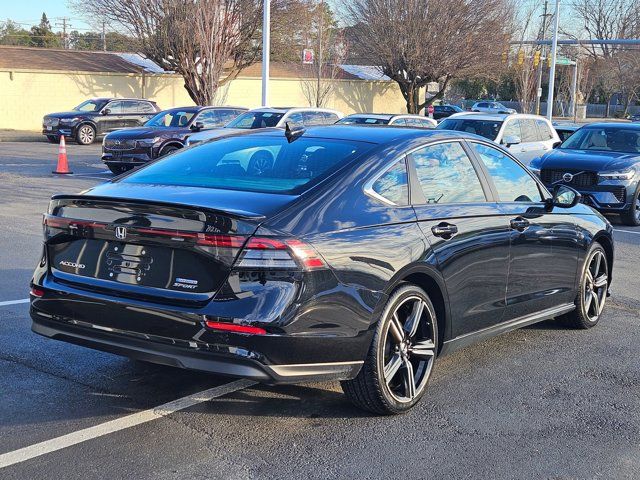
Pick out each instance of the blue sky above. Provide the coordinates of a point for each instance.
(30, 11)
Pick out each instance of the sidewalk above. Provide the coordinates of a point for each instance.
(21, 136)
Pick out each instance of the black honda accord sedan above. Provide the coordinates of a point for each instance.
(360, 254)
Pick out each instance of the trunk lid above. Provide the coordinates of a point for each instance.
(135, 247)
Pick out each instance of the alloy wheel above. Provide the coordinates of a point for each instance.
(595, 286)
(637, 207)
(86, 135)
(409, 349)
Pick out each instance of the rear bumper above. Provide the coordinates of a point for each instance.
(192, 359)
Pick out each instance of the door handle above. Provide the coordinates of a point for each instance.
(520, 224)
(444, 230)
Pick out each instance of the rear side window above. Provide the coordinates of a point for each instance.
(544, 130)
(446, 174)
(145, 107)
(393, 184)
(232, 163)
(330, 118)
(129, 106)
(514, 183)
(529, 130)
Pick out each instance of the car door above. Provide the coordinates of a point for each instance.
(131, 116)
(547, 134)
(468, 233)
(114, 119)
(531, 146)
(544, 251)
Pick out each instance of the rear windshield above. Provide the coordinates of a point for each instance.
(362, 121)
(604, 139)
(485, 128)
(251, 120)
(256, 164)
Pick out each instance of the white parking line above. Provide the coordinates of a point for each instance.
(58, 443)
(626, 231)
(14, 302)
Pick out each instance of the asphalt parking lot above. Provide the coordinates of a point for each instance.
(541, 402)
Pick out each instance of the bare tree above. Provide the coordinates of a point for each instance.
(417, 42)
(208, 42)
(330, 50)
(525, 70)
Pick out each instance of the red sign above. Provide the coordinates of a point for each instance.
(430, 111)
(307, 56)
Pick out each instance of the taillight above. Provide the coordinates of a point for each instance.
(37, 292)
(272, 253)
(234, 327)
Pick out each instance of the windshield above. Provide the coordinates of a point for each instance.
(612, 139)
(90, 106)
(362, 121)
(485, 128)
(171, 118)
(251, 120)
(264, 164)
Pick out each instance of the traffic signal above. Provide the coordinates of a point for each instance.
(549, 60)
(504, 57)
(520, 57)
(536, 58)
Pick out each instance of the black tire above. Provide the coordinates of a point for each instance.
(632, 216)
(118, 169)
(592, 292)
(85, 134)
(53, 139)
(169, 149)
(381, 385)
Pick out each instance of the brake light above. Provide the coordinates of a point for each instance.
(273, 253)
(37, 292)
(234, 327)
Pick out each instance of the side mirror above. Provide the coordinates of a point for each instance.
(564, 197)
(106, 111)
(511, 140)
(556, 144)
(196, 127)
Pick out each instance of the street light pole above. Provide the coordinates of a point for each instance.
(554, 50)
(266, 47)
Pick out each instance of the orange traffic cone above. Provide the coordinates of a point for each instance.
(63, 165)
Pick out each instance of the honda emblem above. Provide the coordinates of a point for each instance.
(121, 232)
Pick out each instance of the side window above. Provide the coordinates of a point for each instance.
(514, 183)
(446, 174)
(512, 128)
(399, 122)
(393, 184)
(129, 106)
(208, 118)
(483, 105)
(224, 116)
(529, 130)
(424, 123)
(115, 108)
(313, 118)
(330, 118)
(295, 120)
(544, 130)
(145, 107)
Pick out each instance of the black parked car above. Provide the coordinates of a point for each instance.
(163, 134)
(444, 111)
(361, 254)
(601, 161)
(97, 117)
(565, 130)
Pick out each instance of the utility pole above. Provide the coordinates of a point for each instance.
(320, 46)
(554, 51)
(104, 37)
(65, 40)
(540, 68)
(266, 46)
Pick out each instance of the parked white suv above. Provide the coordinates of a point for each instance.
(270, 117)
(525, 136)
(491, 107)
(399, 120)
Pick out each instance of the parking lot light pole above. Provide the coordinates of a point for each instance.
(554, 50)
(266, 47)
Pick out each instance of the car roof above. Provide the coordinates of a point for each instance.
(379, 116)
(108, 99)
(292, 109)
(377, 134)
(495, 116)
(620, 125)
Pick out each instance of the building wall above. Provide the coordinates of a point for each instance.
(25, 96)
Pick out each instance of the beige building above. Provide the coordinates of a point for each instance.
(34, 82)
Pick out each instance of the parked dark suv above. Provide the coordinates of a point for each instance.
(97, 117)
(163, 134)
